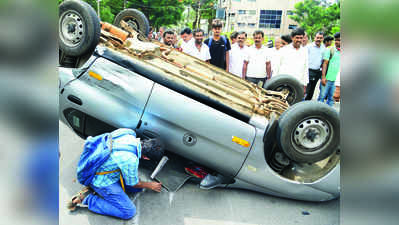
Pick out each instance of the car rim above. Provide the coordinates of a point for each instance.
(311, 134)
(291, 95)
(132, 23)
(72, 29)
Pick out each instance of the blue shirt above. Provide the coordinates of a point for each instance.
(315, 56)
(126, 162)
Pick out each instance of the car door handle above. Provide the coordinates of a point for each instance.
(75, 99)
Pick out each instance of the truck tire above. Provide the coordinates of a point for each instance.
(135, 18)
(79, 28)
(309, 131)
(286, 82)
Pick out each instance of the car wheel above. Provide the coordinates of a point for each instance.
(309, 131)
(135, 18)
(286, 82)
(79, 28)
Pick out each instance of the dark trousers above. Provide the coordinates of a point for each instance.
(256, 80)
(314, 77)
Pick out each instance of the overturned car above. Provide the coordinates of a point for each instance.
(264, 140)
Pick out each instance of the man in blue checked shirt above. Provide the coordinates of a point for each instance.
(109, 197)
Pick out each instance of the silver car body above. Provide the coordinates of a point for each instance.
(120, 97)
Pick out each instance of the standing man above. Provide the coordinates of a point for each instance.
(327, 41)
(238, 55)
(160, 34)
(150, 34)
(275, 55)
(315, 51)
(197, 48)
(294, 58)
(332, 61)
(174, 40)
(168, 37)
(219, 46)
(258, 66)
(233, 38)
(285, 40)
(186, 38)
(305, 40)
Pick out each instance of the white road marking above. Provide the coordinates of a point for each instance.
(196, 221)
(171, 196)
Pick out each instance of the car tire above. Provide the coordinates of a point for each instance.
(283, 81)
(309, 131)
(79, 28)
(135, 18)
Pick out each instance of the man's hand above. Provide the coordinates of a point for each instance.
(323, 81)
(155, 186)
(304, 89)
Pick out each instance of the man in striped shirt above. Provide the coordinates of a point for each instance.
(118, 176)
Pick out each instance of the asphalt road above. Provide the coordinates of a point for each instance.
(190, 205)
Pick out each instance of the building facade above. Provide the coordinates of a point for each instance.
(270, 16)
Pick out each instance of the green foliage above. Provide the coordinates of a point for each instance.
(204, 9)
(160, 12)
(316, 15)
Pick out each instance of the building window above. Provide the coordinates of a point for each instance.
(290, 12)
(241, 12)
(252, 25)
(270, 18)
(252, 12)
(292, 26)
(241, 24)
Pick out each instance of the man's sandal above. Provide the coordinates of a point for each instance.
(82, 194)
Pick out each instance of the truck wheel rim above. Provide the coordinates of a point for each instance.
(311, 134)
(71, 28)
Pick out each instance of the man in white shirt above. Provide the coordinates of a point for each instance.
(258, 65)
(198, 49)
(238, 54)
(275, 55)
(294, 59)
(186, 38)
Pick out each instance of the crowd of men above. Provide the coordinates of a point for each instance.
(292, 54)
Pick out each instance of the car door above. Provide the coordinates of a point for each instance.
(105, 94)
(197, 131)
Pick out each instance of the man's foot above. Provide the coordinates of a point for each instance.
(76, 200)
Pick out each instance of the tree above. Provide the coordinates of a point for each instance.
(160, 12)
(209, 12)
(203, 9)
(317, 15)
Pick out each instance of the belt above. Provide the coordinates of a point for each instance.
(315, 70)
(114, 171)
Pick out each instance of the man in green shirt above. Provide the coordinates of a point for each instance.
(332, 61)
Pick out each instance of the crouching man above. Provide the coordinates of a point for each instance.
(108, 167)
